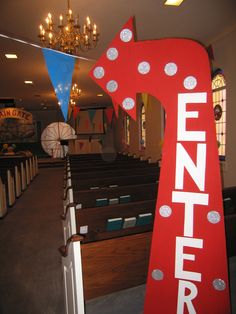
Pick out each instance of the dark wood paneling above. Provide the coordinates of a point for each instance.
(115, 264)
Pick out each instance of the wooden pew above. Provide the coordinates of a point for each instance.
(92, 222)
(89, 197)
(128, 248)
(97, 157)
(16, 173)
(110, 166)
(229, 198)
(112, 259)
(97, 163)
(7, 177)
(111, 173)
(3, 198)
(86, 184)
(133, 193)
(115, 264)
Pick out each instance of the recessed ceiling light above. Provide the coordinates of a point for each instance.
(173, 2)
(28, 82)
(100, 95)
(11, 56)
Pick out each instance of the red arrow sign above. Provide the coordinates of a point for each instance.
(188, 265)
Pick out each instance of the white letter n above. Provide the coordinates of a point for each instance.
(197, 172)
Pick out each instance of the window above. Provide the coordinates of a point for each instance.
(142, 128)
(127, 130)
(219, 105)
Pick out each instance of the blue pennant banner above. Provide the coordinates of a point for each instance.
(60, 68)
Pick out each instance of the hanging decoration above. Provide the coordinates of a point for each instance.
(81, 145)
(188, 263)
(52, 137)
(69, 36)
(109, 114)
(91, 113)
(60, 69)
(76, 111)
(116, 108)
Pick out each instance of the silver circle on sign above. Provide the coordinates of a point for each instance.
(190, 82)
(157, 274)
(213, 217)
(99, 72)
(144, 67)
(170, 69)
(128, 103)
(112, 86)
(165, 211)
(219, 284)
(126, 35)
(112, 54)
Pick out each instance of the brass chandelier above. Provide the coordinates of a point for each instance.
(68, 37)
(75, 93)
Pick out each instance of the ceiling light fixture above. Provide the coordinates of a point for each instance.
(174, 2)
(11, 56)
(75, 91)
(28, 82)
(69, 37)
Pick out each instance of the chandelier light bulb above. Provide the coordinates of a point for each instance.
(61, 19)
(94, 29)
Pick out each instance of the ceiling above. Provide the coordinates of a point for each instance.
(203, 20)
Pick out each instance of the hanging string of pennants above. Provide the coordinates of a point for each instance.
(60, 69)
(91, 113)
(109, 114)
(76, 111)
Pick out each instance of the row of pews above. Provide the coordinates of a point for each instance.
(109, 208)
(229, 202)
(16, 173)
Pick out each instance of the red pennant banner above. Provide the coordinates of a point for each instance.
(188, 264)
(76, 110)
(81, 145)
(116, 108)
(109, 114)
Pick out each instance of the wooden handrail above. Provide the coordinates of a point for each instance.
(63, 216)
(65, 248)
(66, 194)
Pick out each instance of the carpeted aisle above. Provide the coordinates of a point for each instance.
(30, 264)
